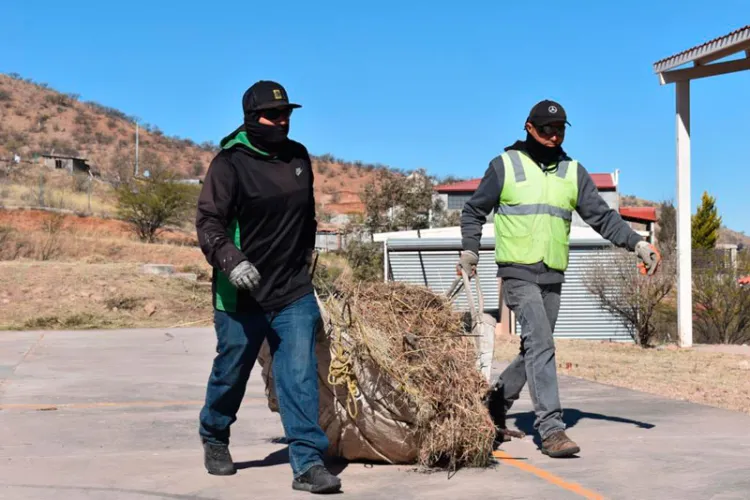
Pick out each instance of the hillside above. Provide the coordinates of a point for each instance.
(35, 120)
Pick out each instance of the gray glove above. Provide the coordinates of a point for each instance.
(649, 257)
(468, 263)
(245, 276)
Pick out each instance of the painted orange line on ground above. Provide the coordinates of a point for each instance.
(103, 404)
(547, 476)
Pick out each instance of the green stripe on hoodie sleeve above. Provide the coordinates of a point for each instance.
(226, 293)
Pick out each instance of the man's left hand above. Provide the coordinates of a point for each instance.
(649, 257)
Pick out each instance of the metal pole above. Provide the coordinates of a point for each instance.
(385, 261)
(684, 240)
(136, 149)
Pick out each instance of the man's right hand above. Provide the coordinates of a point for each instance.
(468, 263)
(245, 276)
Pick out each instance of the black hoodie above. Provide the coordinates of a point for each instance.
(591, 207)
(258, 207)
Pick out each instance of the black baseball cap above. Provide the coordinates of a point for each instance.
(546, 112)
(266, 94)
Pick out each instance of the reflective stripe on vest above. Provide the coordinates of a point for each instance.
(535, 209)
(534, 212)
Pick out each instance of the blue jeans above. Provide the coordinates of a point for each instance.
(291, 337)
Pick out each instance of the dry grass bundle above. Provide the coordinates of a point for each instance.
(416, 337)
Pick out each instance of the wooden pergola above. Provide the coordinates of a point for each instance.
(713, 58)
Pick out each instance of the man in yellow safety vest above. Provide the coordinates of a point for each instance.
(533, 188)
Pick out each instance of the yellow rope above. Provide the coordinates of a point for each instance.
(340, 370)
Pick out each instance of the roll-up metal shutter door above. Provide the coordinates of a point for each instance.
(580, 315)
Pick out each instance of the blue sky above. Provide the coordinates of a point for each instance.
(439, 85)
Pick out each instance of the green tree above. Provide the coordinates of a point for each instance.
(149, 204)
(706, 224)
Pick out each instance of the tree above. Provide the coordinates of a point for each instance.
(442, 217)
(706, 224)
(149, 204)
(122, 168)
(666, 235)
(612, 278)
(365, 259)
(395, 202)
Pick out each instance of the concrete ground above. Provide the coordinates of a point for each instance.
(113, 415)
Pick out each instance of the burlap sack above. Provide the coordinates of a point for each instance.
(382, 430)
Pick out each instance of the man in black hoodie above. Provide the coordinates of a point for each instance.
(256, 226)
(534, 187)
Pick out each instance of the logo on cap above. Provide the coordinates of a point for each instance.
(552, 109)
(277, 94)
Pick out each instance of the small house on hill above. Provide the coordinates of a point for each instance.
(70, 163)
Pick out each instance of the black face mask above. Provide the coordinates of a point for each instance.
(541, 153)
(268, 138)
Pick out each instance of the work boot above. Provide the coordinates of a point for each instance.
(217, 459)
(317, 480)
(559, 445)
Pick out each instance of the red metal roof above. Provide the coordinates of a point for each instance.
(745, 280)
(604, 182)
(470, 185)
(639, 214)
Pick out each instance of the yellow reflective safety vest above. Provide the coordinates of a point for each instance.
(532, 219)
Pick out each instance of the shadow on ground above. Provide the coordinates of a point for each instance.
(525, 421)
(280, 457)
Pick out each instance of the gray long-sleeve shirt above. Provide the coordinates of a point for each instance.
(591, 207)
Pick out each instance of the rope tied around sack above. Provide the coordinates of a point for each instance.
(341, 368)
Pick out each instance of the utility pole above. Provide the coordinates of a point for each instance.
(136, 148)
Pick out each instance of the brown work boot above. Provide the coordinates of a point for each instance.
(559, 445)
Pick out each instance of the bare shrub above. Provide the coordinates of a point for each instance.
(721, 306)
(49, 246)
(81, 183)
(123, 302)
(613, 279)
(13, 245)
(197, 168)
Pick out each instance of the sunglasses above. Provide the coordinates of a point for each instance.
(276, 113)
(551, 130)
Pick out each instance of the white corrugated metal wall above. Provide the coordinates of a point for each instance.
(431, 262)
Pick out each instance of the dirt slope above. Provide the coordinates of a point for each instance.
(35, 119)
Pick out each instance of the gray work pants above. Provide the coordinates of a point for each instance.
(536, 307)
